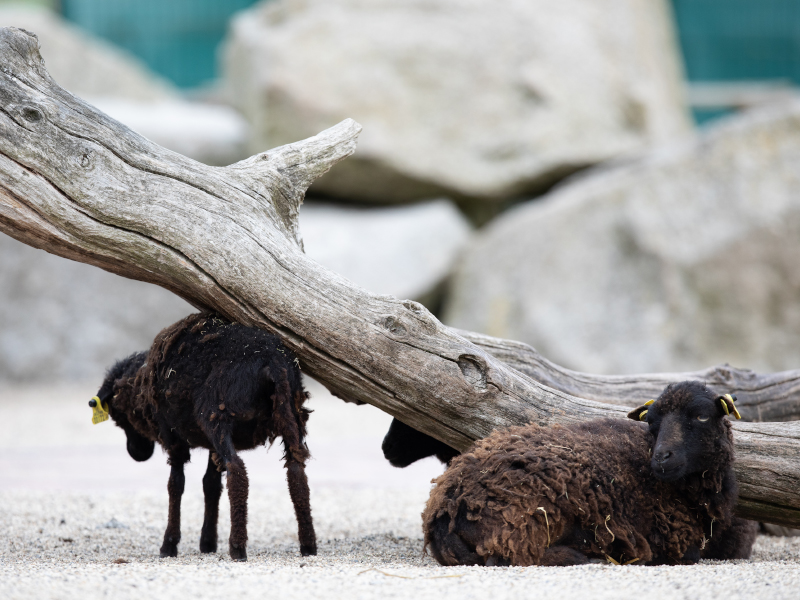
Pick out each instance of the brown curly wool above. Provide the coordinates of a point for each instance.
(560, 495)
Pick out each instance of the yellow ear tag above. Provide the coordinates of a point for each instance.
(735, 410)
(99, 410)
(725, 406)
(643, 414)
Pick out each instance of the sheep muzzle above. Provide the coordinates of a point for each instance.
(669, 458)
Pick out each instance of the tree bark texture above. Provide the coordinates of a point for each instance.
(80, 185)
(761, 397)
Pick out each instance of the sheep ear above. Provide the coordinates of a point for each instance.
(726, 402)
(640, 414)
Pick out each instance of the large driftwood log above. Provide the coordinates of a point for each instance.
(769, 397)
(78, 184)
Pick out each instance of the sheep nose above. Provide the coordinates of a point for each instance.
(663, 456)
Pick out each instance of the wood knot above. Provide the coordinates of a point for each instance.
(86, 159)
(474, 370)
(422, 315)
(415, 307)
(394, 326)
(32, 115)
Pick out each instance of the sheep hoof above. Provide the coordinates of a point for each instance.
(169, 550)
(562, 556)
(208, 546)
(692, 556)
(498, 561)
(238, 554)
(310, 550)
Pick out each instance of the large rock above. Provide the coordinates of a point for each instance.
(459, 97)
(406, 251)
(683, 259)
(66, 320)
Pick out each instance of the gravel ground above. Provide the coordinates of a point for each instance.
(91, 527)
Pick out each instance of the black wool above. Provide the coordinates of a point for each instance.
(210, 383)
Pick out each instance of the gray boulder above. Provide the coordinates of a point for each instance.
(62, 320)
(683, 259)
(463, 98)
(406, 251)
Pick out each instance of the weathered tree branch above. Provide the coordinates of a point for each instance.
(761, 397)
(77, 184)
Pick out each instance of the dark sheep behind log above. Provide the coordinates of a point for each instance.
(629, 492)
(404, 445)
(209, 383)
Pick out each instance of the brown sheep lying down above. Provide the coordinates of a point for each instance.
(658, 492)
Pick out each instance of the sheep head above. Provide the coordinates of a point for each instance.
(140, 448)
(404, 445)
(689, 431)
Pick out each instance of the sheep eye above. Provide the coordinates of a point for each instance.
(702, 419)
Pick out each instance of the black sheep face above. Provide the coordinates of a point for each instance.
(404, 445)
(689, 430)
(139, 447)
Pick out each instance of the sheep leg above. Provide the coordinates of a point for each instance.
(238, 486)
(298, 490)
(288, 425)
(735, 541)
(178, 456)
(212, 490)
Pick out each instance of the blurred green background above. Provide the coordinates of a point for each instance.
(176, 38)
(753, 41)
(739, 40)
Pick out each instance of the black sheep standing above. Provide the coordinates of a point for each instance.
(209, 383)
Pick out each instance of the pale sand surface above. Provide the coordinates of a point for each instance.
(64, 481)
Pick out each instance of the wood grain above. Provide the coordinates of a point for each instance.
(760, 397)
